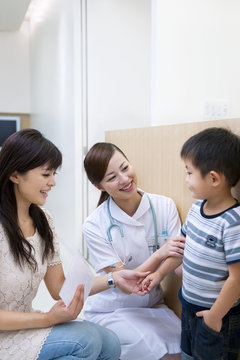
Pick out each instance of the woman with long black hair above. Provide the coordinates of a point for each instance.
(29, 252)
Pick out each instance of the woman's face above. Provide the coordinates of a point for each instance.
(120, 180)
(33, 186)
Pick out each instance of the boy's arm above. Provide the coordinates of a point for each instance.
(173, 247)
(228, 296)
(170, 264)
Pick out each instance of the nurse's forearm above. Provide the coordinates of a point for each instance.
(100, 284)
(127, 281)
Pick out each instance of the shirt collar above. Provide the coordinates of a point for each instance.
(119, 215)
(143, 206)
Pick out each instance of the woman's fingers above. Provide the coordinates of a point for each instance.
(77, 302)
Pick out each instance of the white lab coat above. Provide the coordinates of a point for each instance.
(145, 332)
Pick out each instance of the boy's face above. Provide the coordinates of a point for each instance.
(199, 186)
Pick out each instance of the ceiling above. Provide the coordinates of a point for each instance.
(12, 13)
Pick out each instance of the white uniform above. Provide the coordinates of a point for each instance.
(145, 333)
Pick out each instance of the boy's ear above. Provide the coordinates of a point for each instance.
(215, 177)
(14, 177)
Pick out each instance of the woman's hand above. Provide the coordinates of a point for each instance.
(173, 247)
(61, 313)
(130, 281)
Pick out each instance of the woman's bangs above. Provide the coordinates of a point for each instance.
(55, 159)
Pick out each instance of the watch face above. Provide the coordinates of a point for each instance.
(110, 281)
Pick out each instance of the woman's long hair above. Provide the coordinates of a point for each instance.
(21, 152)
(96, 163)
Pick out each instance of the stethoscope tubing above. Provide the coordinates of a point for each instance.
(114, 224)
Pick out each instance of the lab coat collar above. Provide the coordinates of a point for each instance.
(143, 206)
(119, 215)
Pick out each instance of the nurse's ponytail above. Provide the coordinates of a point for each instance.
(103, 197)
(96, 163)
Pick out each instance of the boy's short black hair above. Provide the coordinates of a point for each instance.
(215, 149)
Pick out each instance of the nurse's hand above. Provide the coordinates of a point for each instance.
(61, 313)
(130, 281)
(173, 247)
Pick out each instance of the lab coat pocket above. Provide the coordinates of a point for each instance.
(151, 242)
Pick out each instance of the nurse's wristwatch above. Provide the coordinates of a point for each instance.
(111, 283)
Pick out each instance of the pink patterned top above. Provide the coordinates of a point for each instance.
(18, 287)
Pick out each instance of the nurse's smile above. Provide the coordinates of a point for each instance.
(128, 187)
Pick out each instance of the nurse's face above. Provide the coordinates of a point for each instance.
(120, 180)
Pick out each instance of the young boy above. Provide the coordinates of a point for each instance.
(210, 293)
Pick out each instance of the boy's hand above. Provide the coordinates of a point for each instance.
(210, 321)
(151, 280)
(130, 281)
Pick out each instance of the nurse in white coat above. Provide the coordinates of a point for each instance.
(121, 233)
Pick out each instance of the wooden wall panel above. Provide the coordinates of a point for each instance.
(154, 152)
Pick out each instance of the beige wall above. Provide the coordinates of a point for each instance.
(154, 152)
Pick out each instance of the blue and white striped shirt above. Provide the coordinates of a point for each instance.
(212, 242)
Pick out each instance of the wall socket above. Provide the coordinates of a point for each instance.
(216, 109)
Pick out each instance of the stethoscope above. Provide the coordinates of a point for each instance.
(125, 261)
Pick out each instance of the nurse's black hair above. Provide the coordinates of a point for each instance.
(96, 163)
(215, 149)
(21, 152)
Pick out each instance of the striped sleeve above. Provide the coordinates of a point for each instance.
(231, 240)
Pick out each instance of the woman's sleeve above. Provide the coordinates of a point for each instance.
(100, 251)
(53, 259)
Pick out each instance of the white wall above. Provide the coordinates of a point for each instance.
(196, 56)
(14, 71)
(117, 92)
(55, 51)
(55, 106)
(119, 59)
(119, 52)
